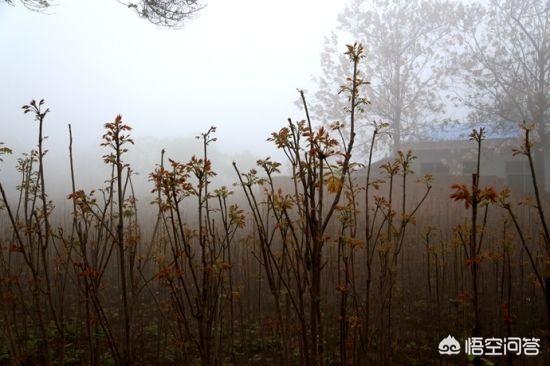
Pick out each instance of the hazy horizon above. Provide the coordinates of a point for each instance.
(93, 60)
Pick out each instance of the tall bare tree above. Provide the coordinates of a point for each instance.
(503, 61)
(405, 45)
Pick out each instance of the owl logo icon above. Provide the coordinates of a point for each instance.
(449, 346)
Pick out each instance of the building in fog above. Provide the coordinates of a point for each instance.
(457, 157)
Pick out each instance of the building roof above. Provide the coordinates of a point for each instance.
(506, 143)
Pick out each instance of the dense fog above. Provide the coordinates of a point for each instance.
(93, 60)
(316, 183)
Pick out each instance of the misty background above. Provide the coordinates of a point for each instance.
(235, 66)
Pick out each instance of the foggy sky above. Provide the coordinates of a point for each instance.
(236, 66)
